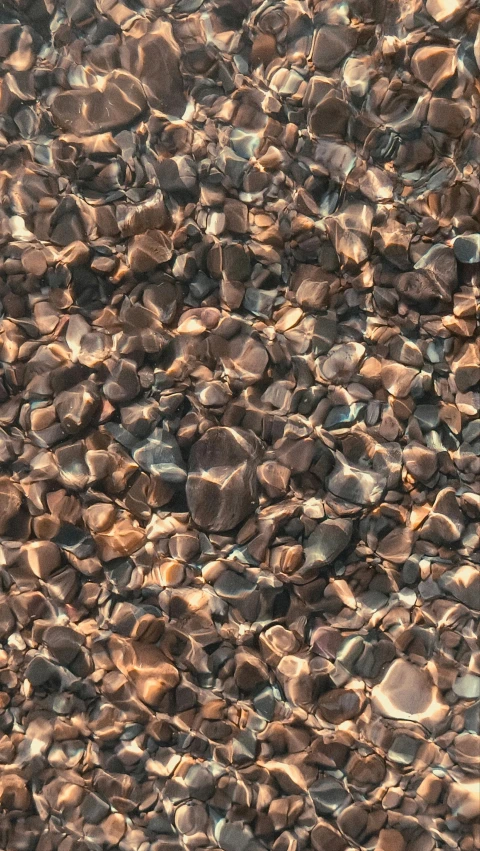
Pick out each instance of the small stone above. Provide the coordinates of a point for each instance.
(466, 367)
(160, 455)
(330, 116)
(74, 540)
(444, 11)
(326, 542)
(40, 671)
(420, 287)
(396, 546)
(430, 789)
(403, 750)
(325, 838)
(467, 248)
(332, 44)
(463, 799)
(41, 557)
(122, 384)
(64, 643)
(420, 461)
(236, 216)
(117, 101)
(10, 502)
(407, 692)
(146, 667)
(154, 59)
(445, 523)
(149, 250)
(14, 794)
(397, 379)
(339, 705)
(446, 117)
(390, 839)
(342, 362)
(221, 483)
(150, 215)
(75, 254)
(235, 836)
(274, 478)
(76, 407)
(467, 687)
(434, 65)
(93, 809)
(354, 484)
(297, 455)
(328, 795)
(366, 772)
(34, 262)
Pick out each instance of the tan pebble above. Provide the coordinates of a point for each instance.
(34, 262)
(42, 557)
(171, 573)
(390, 840)
(430, 789)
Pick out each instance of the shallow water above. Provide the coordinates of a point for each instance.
(239, 439)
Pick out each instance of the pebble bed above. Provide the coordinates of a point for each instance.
(239, 433)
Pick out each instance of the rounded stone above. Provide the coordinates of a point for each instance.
(222, 480)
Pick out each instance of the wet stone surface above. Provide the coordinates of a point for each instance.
(239, 435)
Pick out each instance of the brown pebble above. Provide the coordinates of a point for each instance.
(34, 262)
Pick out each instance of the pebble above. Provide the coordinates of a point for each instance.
(407, 692)
(118, 100)
(467, 248)
(222, 484)
(326, 542)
